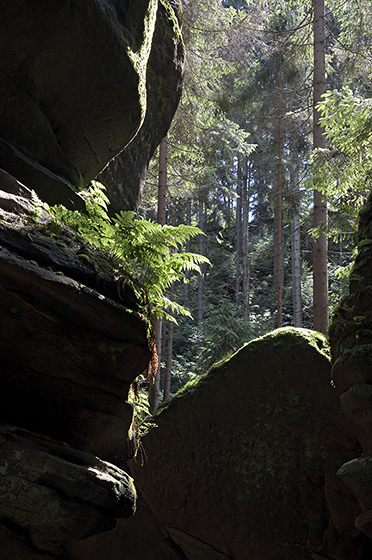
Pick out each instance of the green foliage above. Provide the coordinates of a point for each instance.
(144, 254)
(234, 60)
(344, 170)
(142, 421)
(223, 332)
(346, 118)
(202, 127)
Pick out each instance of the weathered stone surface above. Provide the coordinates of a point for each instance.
(142, 536)
(67, 255)
(52, 494)
(351, 328)
(73, 88)
(243, 464)
(351, 343)
(125, 176)
(356, 403)
(74, 348)
(358, 475)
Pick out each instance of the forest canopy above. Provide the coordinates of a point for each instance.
(249, 145)
(261, 176)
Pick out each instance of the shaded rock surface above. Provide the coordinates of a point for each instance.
(73, 90)
(351, 343)
(125, 176)
(69, 352)
(70, 348)
(243, 465)
(52, 494)
(77, 81)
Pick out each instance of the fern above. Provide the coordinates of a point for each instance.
(145, 255)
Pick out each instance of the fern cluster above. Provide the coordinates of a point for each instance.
(144, 255)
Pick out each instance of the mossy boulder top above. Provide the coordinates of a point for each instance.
(243, 461)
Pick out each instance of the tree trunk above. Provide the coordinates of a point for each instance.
(296, 251)
(320, 216)
(188, 248)
(245, 238)
(201, 276)
(238, 232)
(168, 357)
(161, 219)
(168, 363)
(279, 212)
(162, 188)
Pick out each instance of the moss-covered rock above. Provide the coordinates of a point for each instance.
(243, 462)
(350, 331)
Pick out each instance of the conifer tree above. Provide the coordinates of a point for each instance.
(320, 216)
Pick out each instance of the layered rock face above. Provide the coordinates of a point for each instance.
(71, 344)
(351, 343)
(78, 80)
(75, 350)
(243, 465)
(75, 81)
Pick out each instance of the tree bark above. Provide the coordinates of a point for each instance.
(238, 233)
(168, 357)
(201, 276)
(296, 251)
(245, 238)
(320, 215)
(154, 387)
(168, 363)
(188, 248)
(279, 211)
(162, 186)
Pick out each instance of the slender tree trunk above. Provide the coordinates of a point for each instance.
(238, 232)
(320, 216)
(296, 251)
(245, 238)
(162, 357)
(188, 247)
(161, 219)
(201, 276)
(168, 366)
(168, 357)
(162, 188)
(279, 211)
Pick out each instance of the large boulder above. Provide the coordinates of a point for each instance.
(243, 464)
(73, 87)
(52, 494)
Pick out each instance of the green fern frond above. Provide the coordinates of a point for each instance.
(146, 255)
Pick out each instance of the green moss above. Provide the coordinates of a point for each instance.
(290, 339)
(295, 335)
(358, 469)
(174, 20)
